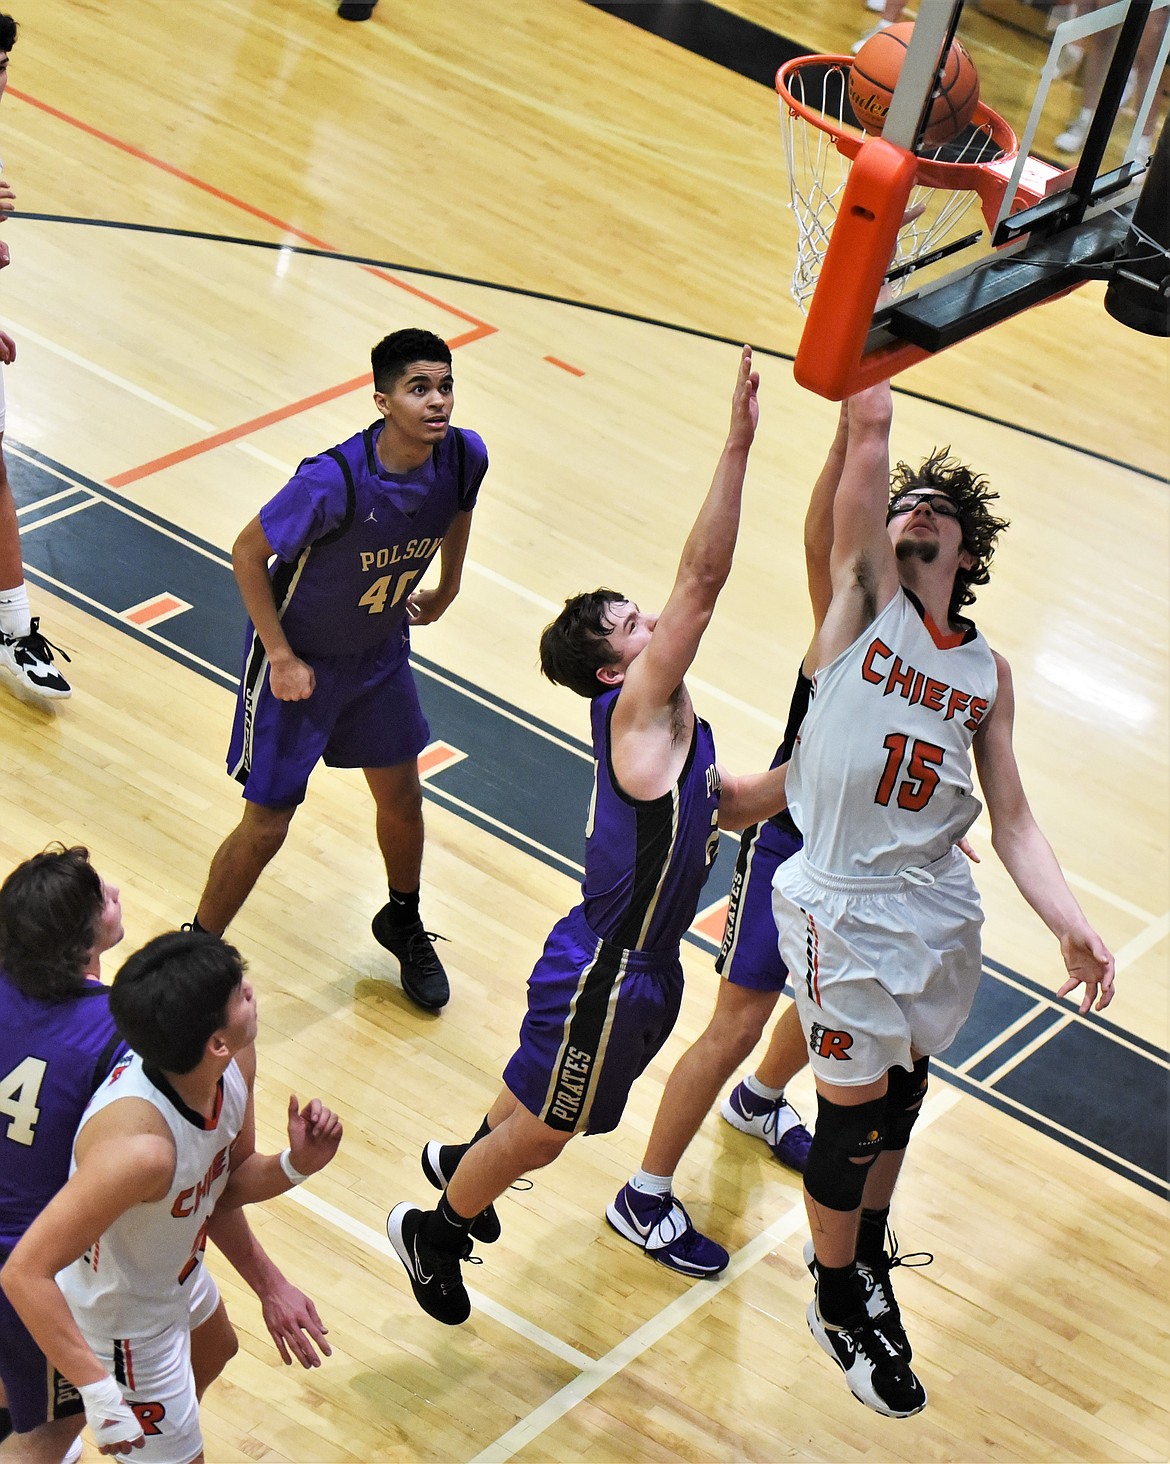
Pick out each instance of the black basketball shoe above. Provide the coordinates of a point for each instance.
(439, 1162)
(434, 1274)
(423, 977)
(877, 1373)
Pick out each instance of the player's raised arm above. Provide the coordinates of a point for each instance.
(656, 675)
(818, 522)
(863, 567)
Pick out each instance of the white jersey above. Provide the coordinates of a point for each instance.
(130, 1283)
(880, 780)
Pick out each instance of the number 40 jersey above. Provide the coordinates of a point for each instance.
(881, 780)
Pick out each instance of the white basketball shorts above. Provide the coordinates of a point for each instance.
(879, 966)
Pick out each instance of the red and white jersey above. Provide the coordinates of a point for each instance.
(130, 1283)
(880, 780)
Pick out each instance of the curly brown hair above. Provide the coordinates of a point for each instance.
(971, 494)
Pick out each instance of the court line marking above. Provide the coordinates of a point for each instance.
(1026, 1051)
(51, 518)
(1000, 1038)
(243, 429)
(381, 1243)
(1041, 1123)
(168, 648)
(51, 498)
(480, 327)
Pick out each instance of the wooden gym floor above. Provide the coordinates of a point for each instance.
(593, 216)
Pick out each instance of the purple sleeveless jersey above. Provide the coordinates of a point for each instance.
(646, 862)
(347, 561)
(52, 1057)
(605, 994)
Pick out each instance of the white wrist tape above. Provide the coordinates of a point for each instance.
(291, 1172)
(110, 1418)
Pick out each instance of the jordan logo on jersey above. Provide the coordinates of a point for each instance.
(825, 1042)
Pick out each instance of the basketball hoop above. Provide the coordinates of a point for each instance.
(822, 140)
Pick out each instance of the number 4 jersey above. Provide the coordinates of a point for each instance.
(881, 777)
(53, 1055)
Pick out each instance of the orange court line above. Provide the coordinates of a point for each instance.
(481, 326)
(230, 434)
(144, 614)
(564, 365)
(712, 921)
(437, 755)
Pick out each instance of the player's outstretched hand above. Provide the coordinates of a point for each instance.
(314, 1133)
(293, 1324)
(7, 196)
(7, 348)
(745, 406)
(291, 679)
(1088, 963)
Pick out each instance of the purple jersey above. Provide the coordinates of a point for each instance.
(53, 1055)
(647, 861)
(353, 540)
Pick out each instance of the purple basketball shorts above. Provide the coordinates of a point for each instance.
(750, 955)
(597, 1015)
(364, 713)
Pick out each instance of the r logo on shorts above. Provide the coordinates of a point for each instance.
(825, 1042)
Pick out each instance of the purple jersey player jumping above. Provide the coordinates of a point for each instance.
(606, 991)
(327, 659)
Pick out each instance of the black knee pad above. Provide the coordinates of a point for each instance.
(846, 1142)
(904, 1102)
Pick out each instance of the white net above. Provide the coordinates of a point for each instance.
(818, 170)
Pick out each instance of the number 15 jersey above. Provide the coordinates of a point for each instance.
(880, 780)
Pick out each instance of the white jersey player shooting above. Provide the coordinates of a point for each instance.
(878, 917)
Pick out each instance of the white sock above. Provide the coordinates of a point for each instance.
(652, 1184)
(14, 611)
(761, 1090)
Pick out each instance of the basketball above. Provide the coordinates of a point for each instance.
(874, 75)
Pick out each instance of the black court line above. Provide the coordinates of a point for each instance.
(307, 251)
(709, 31)
(1092, 1086)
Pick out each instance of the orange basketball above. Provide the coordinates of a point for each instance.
(874, 75)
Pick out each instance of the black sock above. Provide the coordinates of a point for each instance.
(838, 1293)
(871, 1236)
(481, 1132)
(444, 1228)
(5, 1423)
(403, 908)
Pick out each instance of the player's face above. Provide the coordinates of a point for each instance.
(109, 930)
(419, 404)
(631, 631)
(242, 1019)
(924, 524)
(3, 73)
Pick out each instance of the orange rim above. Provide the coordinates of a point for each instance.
(930, 172)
